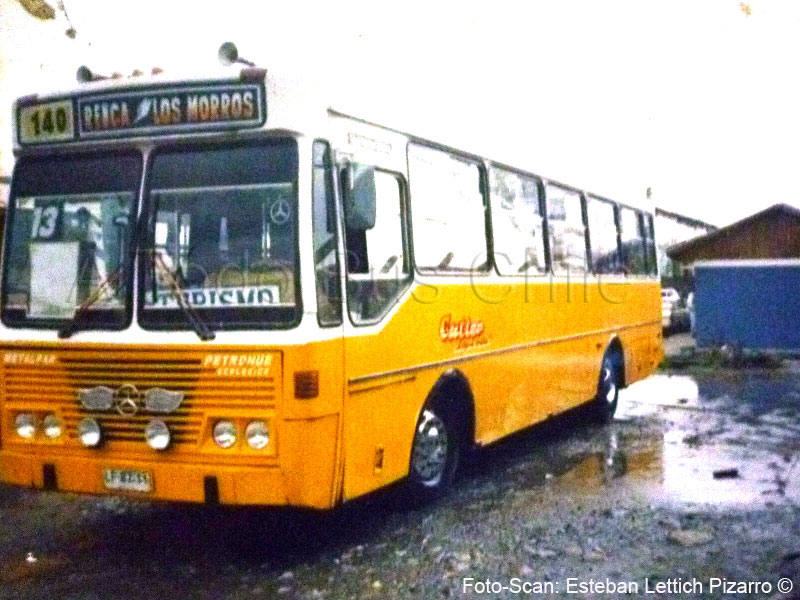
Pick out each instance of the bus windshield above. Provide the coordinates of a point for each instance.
(68, 249)
(222, 237)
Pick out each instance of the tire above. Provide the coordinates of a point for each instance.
(435, 453)
(605, 402)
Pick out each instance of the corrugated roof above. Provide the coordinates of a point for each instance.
(685, 220)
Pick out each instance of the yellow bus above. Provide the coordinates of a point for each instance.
(215, 291)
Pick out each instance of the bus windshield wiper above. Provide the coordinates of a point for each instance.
(178, 290)
(72, 326)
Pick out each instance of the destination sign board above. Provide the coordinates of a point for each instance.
(154, 111)
(264, 295)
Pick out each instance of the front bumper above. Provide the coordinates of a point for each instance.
(176, 482)
(305, 475)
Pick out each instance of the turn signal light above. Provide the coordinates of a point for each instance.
(306, 384)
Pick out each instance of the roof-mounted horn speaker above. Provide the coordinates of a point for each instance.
(85, 75)
(228, 54)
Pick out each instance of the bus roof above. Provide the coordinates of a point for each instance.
(218, 100)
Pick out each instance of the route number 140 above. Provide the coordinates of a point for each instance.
(49, 122)
(46, 123)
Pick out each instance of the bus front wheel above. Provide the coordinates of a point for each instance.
(435, 452)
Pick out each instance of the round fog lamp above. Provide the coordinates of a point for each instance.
(225, 434)
(157, 434)
(25, 424)
(257, 435)
(51, 425)
(89, 432)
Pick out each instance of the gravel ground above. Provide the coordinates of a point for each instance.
(556, 507)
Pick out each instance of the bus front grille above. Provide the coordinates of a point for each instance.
(232, 382)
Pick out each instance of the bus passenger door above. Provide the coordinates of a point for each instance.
(316, 439)
(378, 273)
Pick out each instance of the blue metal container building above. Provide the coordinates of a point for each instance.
(747, 281)
(748, 304)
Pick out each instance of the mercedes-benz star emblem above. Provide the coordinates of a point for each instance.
(279, 212)
(127, 400)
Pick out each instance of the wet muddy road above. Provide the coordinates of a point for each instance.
(635, 501)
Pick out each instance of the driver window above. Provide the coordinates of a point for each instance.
(377, 266)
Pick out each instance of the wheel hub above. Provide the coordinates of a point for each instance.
(430, 448)
(609, 384)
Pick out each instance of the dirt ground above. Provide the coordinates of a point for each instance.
(675, 342)
(566, 509)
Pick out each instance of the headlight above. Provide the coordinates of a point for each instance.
(51, 425)
(257, 434)
(157, 434)
(225, 434)
(25, 424)
(89, 432)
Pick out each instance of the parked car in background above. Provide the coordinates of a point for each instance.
(669, 298)
(674, 315)
(670, 294)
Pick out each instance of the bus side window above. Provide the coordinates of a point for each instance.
(603, 236)
(326, 251)
(448, 212)
(357, 259)
(377, 265)
(355, 240)
(567, 230)
(633, 242)
(650, 240)
(518, 223)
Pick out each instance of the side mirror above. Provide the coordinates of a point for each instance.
(359, 197)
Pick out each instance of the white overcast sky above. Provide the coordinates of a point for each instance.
(695, 99)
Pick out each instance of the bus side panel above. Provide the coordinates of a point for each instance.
(528, 352)
(641, 303)
(309, 460)
(310, 435)
(380, 419)
(549, 345)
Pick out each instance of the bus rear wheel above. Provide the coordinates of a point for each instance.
(605, 403)
(435, 453)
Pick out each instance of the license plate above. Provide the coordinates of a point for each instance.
(127, 480)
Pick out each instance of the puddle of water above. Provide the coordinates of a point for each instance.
(656, 392)
(672, 433)
(668, 470)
